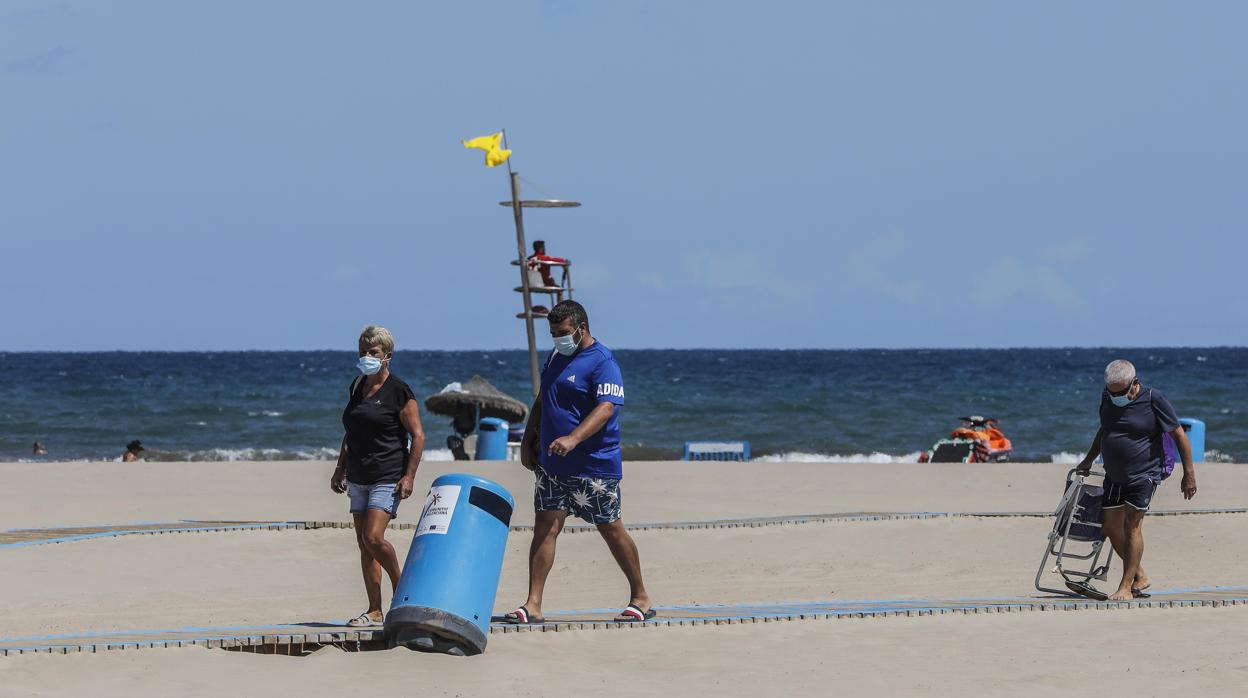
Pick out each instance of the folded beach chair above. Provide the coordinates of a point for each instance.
(1077, 538)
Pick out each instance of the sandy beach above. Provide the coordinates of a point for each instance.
(264, 577)
(93, 493)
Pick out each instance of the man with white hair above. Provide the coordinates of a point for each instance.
(1133, 419)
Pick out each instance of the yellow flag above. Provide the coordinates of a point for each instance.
(486, 143)
(494, 155)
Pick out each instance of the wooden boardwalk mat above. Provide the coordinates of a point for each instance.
(301, 638)
(20, 537)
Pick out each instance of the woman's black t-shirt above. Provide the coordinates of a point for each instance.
(376, 438)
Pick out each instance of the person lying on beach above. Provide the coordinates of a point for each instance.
(572, 443)
(1133, 419)
(375, 464)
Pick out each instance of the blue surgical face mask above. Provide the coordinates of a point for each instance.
(369, 365)
(566, 344)
(1124, 399)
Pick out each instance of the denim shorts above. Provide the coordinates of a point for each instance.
(379, 495)
(595, 500)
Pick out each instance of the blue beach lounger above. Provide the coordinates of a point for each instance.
(1077, 539)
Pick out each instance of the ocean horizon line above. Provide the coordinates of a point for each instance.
(628, 348)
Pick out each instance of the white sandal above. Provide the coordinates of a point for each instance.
(363, 621)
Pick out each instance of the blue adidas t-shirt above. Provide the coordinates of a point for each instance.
(572, 386)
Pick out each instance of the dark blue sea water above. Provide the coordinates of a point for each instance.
(796, 405)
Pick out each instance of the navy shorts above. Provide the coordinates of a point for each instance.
(595, 500)
(1137, 493)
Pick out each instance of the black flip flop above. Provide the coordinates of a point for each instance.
(1085, 589)
(1139, 594)
(632, 614)
(521, 616)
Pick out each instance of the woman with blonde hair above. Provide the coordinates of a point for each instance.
(378, 460)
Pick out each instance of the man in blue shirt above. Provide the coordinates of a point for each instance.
(572, 443)
(1133, 419)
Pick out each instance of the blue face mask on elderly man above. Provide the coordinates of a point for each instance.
(1124, 399)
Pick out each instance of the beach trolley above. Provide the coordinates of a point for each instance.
(1077, 541)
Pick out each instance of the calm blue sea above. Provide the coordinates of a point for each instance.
(791, 405)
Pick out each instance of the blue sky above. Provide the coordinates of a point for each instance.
(243, 175)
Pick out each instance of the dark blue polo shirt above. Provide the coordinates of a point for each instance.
(1131, 445)
(572, 386)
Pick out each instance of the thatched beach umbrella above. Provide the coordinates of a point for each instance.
(468, 402)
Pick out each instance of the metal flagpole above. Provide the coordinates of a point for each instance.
(518, 212)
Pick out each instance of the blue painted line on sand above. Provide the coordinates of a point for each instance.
(190, 629)
(104, 525)
(850, 604)
(140, 531)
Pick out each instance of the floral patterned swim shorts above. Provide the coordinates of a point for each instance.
(593, 499)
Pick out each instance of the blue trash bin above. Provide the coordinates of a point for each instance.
(446, 592)
(492, 439)
(1195, 429)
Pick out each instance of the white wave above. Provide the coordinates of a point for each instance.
(803, 457)
(266, 413)
(1214, 456)
(65, 460)
(271, 454)
(233, 454)
(323, 453)
(437, 454)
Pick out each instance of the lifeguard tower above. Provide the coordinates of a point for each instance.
(537, 284)
(531, 281)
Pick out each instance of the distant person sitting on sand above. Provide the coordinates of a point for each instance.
(375, 465)
(1133, 419)
(39, 450)
(541, 272)
(133, 449)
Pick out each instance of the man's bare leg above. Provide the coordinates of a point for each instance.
(626, 556)
(1132, 552)
(1115, 529)
(547, 526)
